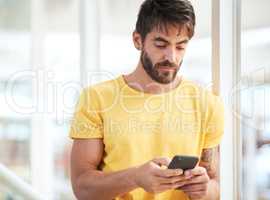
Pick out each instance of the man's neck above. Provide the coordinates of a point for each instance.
(141, 81)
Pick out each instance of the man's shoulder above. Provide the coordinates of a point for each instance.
(203, 91)
(194, 88)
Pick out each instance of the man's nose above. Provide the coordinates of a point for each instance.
(170, 55)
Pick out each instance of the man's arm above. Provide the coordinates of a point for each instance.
(90, 183)
(204, 179)
(210, 161)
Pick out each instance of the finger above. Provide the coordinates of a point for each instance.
(163, 188)
(170, 186)
(168, 172)
(194, 187)
(198, 179)
(196, 171)
(162, 161)
(188, 174)
(168, 180)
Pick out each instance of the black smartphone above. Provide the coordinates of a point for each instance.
(183, 162)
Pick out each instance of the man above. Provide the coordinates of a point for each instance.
(127, 130)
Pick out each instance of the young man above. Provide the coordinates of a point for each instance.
(127, 130)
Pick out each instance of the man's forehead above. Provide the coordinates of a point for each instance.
(170, 32)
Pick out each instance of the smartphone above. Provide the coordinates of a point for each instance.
(183, 162)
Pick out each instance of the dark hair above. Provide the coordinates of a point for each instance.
(161, 13)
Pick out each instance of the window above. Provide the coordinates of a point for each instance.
(15, 129)
(255, 123)
(55, 68)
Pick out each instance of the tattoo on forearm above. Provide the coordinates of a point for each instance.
(210, 161)
(207, 155)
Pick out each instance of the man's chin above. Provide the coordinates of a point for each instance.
(165, 81)
(163, 77)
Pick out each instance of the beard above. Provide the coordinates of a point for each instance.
(155, 72)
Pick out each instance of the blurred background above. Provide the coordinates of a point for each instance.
(41, 77)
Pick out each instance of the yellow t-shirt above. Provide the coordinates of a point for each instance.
(137, 127)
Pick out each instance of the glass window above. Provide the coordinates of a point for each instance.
(15, 130)
(61, 71)
(62, 66)
(255, 92)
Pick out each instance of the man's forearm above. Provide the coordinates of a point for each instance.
(104, 186)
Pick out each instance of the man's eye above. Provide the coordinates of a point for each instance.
(160, 45)
(180, 48)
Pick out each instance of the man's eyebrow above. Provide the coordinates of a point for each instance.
(160, 39)
(185, 41)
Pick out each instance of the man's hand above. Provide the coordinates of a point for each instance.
(204, 179)
(197, 184)
(155, 179)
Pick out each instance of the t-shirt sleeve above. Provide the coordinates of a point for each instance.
(87, 120)
(214, 124)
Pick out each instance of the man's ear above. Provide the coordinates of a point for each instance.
(137, 40)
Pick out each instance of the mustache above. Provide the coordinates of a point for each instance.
(166, 63)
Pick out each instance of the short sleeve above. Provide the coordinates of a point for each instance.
(87, 120)
(214, 124)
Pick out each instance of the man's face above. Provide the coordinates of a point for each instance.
(163, 52)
